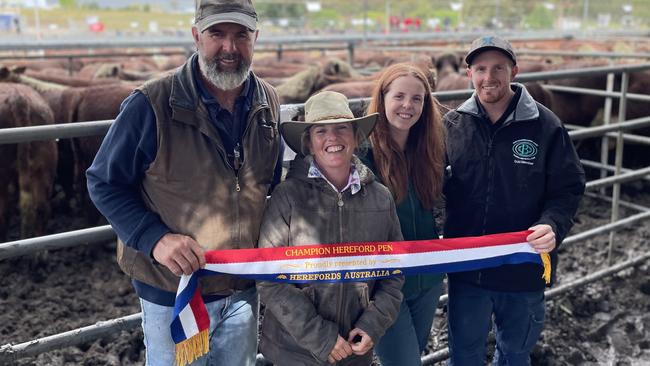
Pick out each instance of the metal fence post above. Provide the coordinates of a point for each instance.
(607, 117)
(616, 190)
(70, 65)
(351, 53)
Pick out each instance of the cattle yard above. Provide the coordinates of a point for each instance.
(65, 301)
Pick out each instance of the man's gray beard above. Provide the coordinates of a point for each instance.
(224, 80)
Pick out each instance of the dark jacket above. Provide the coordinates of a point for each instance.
(417, 223)
(192, 187)
(301, 322)
(526, 173)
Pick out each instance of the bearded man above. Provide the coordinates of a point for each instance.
(185, 168)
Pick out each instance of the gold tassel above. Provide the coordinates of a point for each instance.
(546, 260)
(192, 348)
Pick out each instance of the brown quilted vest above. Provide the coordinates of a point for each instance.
(193, 188)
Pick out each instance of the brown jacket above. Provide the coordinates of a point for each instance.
(192, 186)
(301, 322)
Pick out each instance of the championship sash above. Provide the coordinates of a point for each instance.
(339, 263)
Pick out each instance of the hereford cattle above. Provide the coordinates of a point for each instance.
(452, 81)
(455, 81)
(66, 80)
(79, 105)
(353, 89)
(375, 58)
(581, 109)
(96, 101)
(68, 105)
(372, 58)
(277, 69)
(87, 109)
(140, 64)
(449, 77)
(14, 74)
(300, 86)
(363, 88)
(117, 70)
(540, 94)
(170, 62)
(447, 63)
(60, 64)
(28, 168)
(534, 66)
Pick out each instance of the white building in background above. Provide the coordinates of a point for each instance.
(568, 24)
(43, 4)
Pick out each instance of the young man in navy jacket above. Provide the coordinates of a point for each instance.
(511, 167)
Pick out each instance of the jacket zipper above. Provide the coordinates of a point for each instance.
(490, 185)
(239, 162)
(339, 305)
(490, 175)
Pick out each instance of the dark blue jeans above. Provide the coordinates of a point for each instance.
(518, 320)
(405, 340)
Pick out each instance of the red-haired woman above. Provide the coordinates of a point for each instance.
(407, 155)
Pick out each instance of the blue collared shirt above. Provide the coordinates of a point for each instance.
(230, 126)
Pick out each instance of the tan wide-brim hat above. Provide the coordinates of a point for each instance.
(324, 108)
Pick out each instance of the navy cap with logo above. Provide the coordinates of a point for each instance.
(211, 12)
(487, 43)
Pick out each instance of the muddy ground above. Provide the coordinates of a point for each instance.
(606, 323)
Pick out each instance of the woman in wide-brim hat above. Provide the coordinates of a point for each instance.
(329, 196)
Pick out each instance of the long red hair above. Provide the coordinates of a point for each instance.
(423, 158)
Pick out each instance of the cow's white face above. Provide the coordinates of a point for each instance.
(491, 73)
(225, 53)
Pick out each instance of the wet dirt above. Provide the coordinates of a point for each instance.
(604, 323)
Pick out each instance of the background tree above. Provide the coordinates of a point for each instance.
(68, 4)
(540, 18)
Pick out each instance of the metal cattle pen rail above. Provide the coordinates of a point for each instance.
(105, 233)
(520, 52)
(266, 39)
(279, 49)
(280, 44)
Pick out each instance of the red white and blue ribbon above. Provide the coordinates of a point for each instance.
(338, 263)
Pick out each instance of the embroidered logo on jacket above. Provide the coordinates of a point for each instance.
(524, 151)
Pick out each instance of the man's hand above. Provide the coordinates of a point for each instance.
(542, 239)
(340, 351)
(364, 345)
(179, 253)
